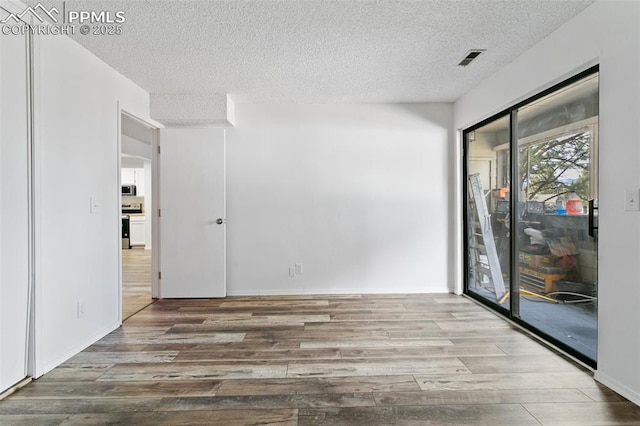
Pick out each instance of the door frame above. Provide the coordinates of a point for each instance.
(155, 203)
(513, 313)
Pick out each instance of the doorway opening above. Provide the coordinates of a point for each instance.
(137, 188)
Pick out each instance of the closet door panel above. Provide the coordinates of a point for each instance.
(14, 210)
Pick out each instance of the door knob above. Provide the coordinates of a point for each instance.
(219, 221)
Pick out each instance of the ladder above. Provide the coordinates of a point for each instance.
(482, 246)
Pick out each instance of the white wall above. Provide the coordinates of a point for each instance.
(608, 33)
(14, 211)
(131, 146)
(77, 99)
(357, 194)
(127, 162)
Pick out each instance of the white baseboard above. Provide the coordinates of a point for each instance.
(325, 291)
(616, 386)
(40, 371)
(12, 389)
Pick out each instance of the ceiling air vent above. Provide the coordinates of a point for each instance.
(471, 55)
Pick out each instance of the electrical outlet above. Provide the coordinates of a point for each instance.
(80, 310)
(299, 269)
(292, 271)
(631, 200)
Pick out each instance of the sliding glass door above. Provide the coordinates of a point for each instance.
(536, 165)
(487, 210)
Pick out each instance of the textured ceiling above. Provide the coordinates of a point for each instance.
(320, 51)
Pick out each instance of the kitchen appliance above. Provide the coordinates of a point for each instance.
(126, 240)
(131, 206)
(128, 189)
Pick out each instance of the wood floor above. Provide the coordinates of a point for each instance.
(343, 360)
(136, 280)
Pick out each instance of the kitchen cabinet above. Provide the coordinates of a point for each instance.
(128, 176)
(137, 230)
(133, 176)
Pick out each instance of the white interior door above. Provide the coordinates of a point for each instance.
(14, 210)
(192, 202)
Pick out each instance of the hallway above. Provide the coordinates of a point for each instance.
(136, 280)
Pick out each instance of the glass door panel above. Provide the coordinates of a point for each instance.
(557, 252)
(531, 194)
(487, 230)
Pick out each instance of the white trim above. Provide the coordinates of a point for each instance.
(617, 387)
(119, 204)
(224, 210)
(156, 289)
(458, 227)
(38, 309)
(12, 389)
(147, 122)
(75, 350)
(151, 215)
(31, 312)
(328, 292)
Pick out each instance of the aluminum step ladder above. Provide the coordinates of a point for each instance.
(482, 245)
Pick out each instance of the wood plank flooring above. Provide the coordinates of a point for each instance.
(339, 360)
(136, 280)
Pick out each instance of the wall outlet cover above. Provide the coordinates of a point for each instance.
(80, 310)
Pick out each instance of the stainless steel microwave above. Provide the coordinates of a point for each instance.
(128, 190)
